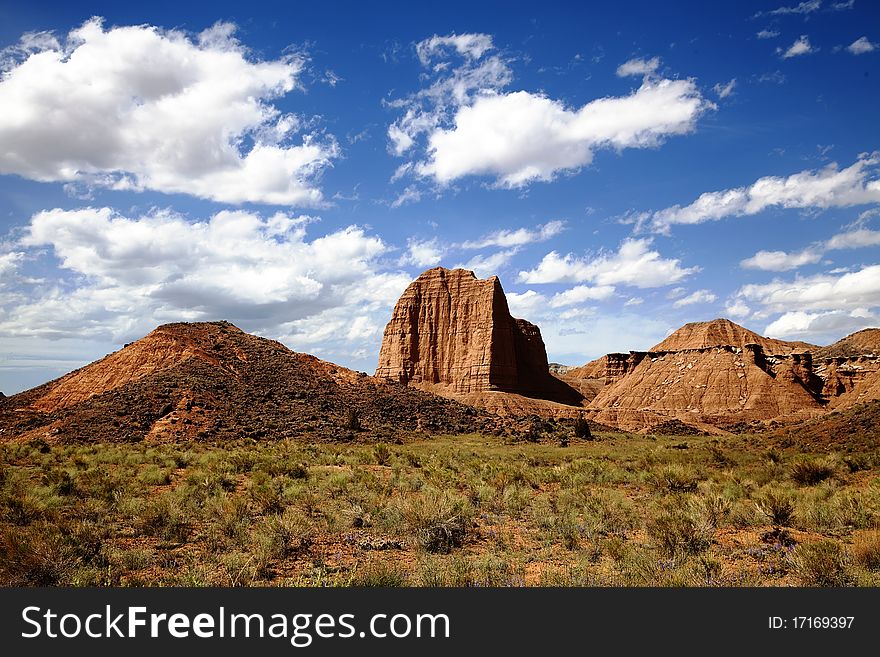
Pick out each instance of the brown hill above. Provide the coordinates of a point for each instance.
(724, 333)
(213, 381)
(717, 385)
(851, 429)
(453, 334)
(860, 343)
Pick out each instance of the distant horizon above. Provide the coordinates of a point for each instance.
(622, 169)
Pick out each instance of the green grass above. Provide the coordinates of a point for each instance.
(469, 510)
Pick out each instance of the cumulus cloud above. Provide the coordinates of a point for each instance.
(724, 90)
(826, 326)
(784, 261)
(737, 309)
(821, 292)
(140, 107)
(121, 276)
(768, 34)
(634, 264)
(466, 124)
(800, 47)
(489, 265)
(861, 46)
(780, 260)
(829, 187)
(638, 67)
(519, 237)
(423, 253)
(581, 293)
(523, 137)
(700, 296)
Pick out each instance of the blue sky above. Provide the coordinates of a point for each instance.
(291, 167)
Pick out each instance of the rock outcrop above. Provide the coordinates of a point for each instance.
(716, 385)
(719, 373)
(452, 333)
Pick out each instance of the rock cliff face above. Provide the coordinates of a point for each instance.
(453, 334)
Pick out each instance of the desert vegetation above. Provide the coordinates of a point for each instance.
(467, 510)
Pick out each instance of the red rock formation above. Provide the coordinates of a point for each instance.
(712, 384)
(453, 334)
(721, 333)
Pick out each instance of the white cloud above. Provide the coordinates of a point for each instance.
(827, 325)
(737, 309)
(634, 301)
(579, 294)
(522, 137)
(828, 187)
(638, 67)
(854, 239)
(768, 34)
(519, 237)
(821, 292)
(409, 195)
(466, 124)
(423, 253)
(724, 90)
(126, 275)
(780, 260)
(139, 107)
(784, 261)
(861, 46)
(526, 304)
(469, 45)
(633, 264)
(807, 7)
(489, 265)
(840, 6)
(700, 296)
(800, 47)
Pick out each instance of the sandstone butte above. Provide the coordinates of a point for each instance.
(452, 334)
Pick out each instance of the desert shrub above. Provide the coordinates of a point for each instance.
(582, 429)
(823, 563)
(379, 573)
(811, 472)
(676, 479)
(382, 454)
(37, 555)
(267, 493)
(437, 520)
(285, 535)
(611, 512)
(20, 507)
(866, 550)
(681, 529)
(830, 509)
(165, 518)
(777, 504)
